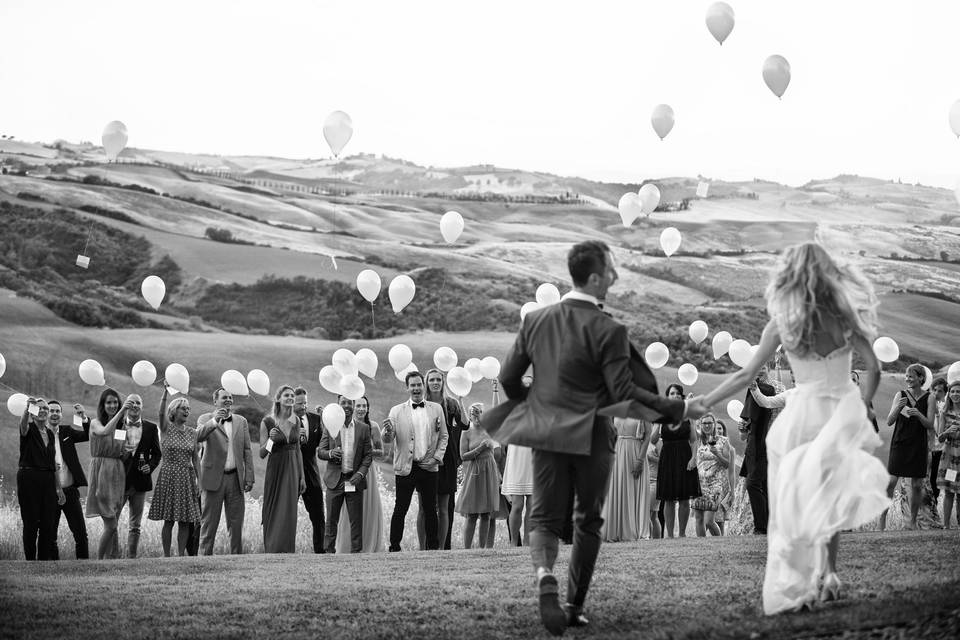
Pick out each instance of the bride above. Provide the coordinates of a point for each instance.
(822, 477)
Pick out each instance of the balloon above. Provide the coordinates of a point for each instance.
(670, 240)
(144, 373)
(720, 20)
(649, 197)
(886, 349)
(473, 368)
(688, 374)
(234, 382)
(333, 418)
(656, 355)
(92, 373)
(330, 379)
(352, 387)
(698, 331)
(402, 373)
(630, 208)
(17, 404)
(345, 362)
(721, 343)
(445, 358)
(734, 408)
(337, 131)
(401, 292)
(3, 365)
(368, 284)
(259, 382)
(547, 294)
(459, 381)
(451, 226)
(399, 357)
(527, 308)
(114, 139)
(776, 73)
(367, 362)
(662, 120)
(740, 352)
(178, 378)
(953, 373)
(955, 118)
(928, 378)
(153, 290)
(490, 367)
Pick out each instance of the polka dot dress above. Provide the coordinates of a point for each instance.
(175, 495)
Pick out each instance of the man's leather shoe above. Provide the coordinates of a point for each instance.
(553, 617)
(575, 617)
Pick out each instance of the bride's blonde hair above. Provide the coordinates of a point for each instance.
(808, 286)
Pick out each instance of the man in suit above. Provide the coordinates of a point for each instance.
(419, 428)
(582, 361)
(226, 472)
(141, 458)
(313, 496)
(348, 456)
(758, 420)
(71, 474)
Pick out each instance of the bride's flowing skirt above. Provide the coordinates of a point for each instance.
(821, 480)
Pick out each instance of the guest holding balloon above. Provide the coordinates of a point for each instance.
(142, 457)
(480, 494)
(373, 526)
(280, 438)
(107, 475)
(38, 487)
(677, 481)
(312, 497)
(948, 475)
(938, 388)
(70, 473)
(714, 462)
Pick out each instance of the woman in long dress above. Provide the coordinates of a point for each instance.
(372, 506)
(625, 509)
(822, 477)
(107, 475)
(280, 437)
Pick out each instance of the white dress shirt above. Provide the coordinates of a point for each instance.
(578, 295)
(347, 435)
(421, 431)
(231, 462)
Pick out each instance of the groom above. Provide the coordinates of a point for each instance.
(582, 361)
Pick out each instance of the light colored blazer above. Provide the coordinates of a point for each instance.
(402, 418)
(215, 451)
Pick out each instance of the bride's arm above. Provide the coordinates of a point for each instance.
(737, 381)
(778, 401)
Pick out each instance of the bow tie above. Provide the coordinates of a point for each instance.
(228, 419)
(418, 405)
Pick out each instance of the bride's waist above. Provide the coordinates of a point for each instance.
(826, 386)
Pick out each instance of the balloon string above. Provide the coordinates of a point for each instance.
(373, 320)
(440, 296)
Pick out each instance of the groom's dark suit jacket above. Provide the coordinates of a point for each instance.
(582, 361)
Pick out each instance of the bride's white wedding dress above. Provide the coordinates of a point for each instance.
(821, 476)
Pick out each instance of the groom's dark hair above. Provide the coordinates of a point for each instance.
(586, 258)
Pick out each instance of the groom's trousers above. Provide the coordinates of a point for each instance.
(553, 476)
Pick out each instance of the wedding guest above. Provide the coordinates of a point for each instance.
(175, 497)
(939, 390)
(312, 497)
(141, 456)
(70, 473)
(107, 475)
(517, 485)
(226, 472)
(948, 476)
(677, 480)
(373, 526)
(726, 507)
(38, 487)
(653, 466)
(714, 459)
(280, 438)
(500, 457)
(480, 494)
(624, 511)
(760, 418)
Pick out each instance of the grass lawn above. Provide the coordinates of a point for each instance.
(898, 584)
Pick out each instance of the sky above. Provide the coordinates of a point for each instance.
(561, 87)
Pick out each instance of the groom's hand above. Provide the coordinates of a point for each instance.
(695, 407)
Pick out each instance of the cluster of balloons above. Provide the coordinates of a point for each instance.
(238, 385)
(401, 289)
(643, 203)
(342, 375)
(547, 294)
(460, 380)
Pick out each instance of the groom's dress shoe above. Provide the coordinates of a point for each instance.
(553, 617)
(575, 617)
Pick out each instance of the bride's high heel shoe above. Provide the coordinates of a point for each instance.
(831, 588)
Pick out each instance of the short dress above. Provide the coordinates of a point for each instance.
(714, 481)
(518, 471)
(674, 480)
(908, 446)
(107, 478)
(951, 454)
(480, 492)
(175, 494)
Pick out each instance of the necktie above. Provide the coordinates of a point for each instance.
(418, 405)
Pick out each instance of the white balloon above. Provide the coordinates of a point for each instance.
(953, 373)
(402, 373)
(368, 284)
(259, 382)
(527, 308)
(367, 362)
(662, 119)
(698, 331)
(178, 378)
(445, 358)
(649, 195)
(955, 118)
(153, 290)
(776, 73)
(721, 343)
(17, 404)
(352, 387)
(473, 368)
(928, 378)
(337, 131)
(656, 355)
(399, 357)
(459, 382)
(114, 139)
(886, 349)
(333, 418)
(3, 365)
(670, 240)
(740, 352)
(720, 20)
(688, 374)
(401, 292)
(734, 408)
(92, 373)
(547, 294)
(330, 379)
(144, 373)
(490, 367)
(630, 208)
(234, 382)
(451, 226)
(345, 362)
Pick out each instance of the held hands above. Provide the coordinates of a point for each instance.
(696, 407)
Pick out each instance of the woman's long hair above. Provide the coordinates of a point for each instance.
(366, 417)
(101, 405)
(948, 404)
(443, 385)
(810, 286)
(277, 408)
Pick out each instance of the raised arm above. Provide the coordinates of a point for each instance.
(737, 381)
(162, 418)
(376, 441)
(108, 429)
(25, 418)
